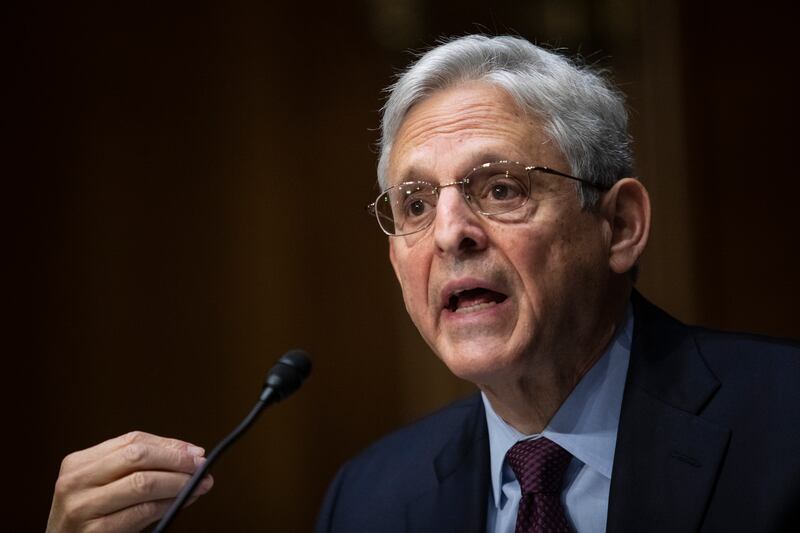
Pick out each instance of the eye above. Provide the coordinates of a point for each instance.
(413, 201)
(502, 188)
(417, 206)
(500, 191)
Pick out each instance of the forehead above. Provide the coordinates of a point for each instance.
(456, 129)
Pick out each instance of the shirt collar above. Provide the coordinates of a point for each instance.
(586, 423)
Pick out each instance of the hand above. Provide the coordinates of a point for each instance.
(123, 484)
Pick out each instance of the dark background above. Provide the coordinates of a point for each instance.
(184, 192)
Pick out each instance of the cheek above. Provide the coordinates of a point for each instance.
(412, 272)
(530, 252)
(549, 257)
(578, 259)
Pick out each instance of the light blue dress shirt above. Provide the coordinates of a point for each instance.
(586, 426)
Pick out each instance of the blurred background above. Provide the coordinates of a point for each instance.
(184, 202)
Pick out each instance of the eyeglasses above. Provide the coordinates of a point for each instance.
(491, 189)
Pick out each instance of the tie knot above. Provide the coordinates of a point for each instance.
(539, 465)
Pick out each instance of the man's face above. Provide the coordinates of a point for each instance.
(496, 297)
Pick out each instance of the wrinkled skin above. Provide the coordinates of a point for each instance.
(559, 267)
(123, 484)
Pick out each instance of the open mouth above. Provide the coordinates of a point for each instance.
(471, 300)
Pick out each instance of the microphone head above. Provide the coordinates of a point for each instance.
(287, 375)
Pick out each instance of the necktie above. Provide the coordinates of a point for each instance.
(539, 466)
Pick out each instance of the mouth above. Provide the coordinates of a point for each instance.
(472, 300)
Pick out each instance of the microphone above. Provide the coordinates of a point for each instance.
(282, 380)
(286, 376)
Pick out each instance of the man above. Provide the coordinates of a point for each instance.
(515, 229)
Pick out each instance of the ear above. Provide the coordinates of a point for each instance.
(626, 207)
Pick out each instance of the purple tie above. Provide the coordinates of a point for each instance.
(539, 466)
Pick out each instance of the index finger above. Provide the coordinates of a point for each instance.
(137, 457)
(89, 455)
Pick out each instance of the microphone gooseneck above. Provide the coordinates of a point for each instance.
(282, 380)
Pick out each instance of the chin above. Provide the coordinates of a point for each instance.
(476, 366)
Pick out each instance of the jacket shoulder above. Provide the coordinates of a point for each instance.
(409, 448)
(747, 345)
(758, 371)
(371, 491)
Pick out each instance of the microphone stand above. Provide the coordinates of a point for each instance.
(282, 380)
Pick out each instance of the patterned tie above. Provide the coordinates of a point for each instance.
(539, 466)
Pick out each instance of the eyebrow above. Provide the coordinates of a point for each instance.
(414, 173)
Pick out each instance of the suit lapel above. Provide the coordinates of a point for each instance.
(458, 501)
(667, 458)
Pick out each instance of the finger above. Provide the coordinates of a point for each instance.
(135, 518)
(89, 455)
(131, 520)
(98, 488)
(136, 457)
(137, 488)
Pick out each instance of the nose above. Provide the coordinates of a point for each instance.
(457, 230)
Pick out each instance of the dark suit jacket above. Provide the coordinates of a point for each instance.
(709, 440)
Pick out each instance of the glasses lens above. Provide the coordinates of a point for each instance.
(406, 208)
(498, 188)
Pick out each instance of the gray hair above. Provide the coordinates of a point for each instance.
(581, 111)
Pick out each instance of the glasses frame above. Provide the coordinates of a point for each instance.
(371, 208)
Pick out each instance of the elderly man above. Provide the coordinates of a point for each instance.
(515, 228)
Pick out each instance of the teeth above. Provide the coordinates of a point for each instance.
(475, 307)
